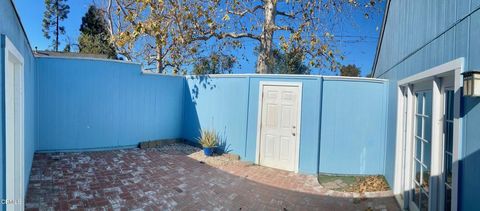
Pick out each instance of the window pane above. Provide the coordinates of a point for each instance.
(448, 169)
(449, 137)
(418, 168)
(448, 198)
(449, 105)
(419, 126)
(426, 179)
(427, 151)
(418, 149)
(424, 202)
(428, 103)
(419, 103)
(416, 195)
(428, 129)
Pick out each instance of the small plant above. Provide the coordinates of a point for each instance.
(208, 138)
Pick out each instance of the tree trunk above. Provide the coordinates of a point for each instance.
(57, 27)
(265, 55)
(158, 57)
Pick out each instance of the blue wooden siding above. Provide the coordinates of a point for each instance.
(10, 28)
(353, 129)
(423, 34)
(83, 104)
(229, 104)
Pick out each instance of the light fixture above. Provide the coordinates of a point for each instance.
(471, 84)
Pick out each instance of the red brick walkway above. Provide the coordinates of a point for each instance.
(155, 180)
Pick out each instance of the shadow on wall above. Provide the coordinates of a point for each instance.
(223, 146)
(468, 184)
(204, 81)
(193, 127)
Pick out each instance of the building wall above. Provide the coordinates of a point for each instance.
(229, 104)
(423, 34)
(353, 126)
(10, 27)
(90, 104)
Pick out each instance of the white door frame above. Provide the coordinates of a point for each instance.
(14, 127)
(404, 134)
(259, 117)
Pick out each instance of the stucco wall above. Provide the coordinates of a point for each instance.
(420, 35)
(10, 28)
(84, 104)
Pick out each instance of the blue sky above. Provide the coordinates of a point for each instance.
(357, 51)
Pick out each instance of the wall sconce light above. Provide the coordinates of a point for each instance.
(471, 84)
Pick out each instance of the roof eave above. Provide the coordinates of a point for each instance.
(379, 43)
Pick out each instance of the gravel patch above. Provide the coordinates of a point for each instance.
(196, 153)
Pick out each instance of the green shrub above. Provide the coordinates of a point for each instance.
(208, 138)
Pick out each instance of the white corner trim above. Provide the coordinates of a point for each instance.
(259, 117)
(14, 100)
(10, 48)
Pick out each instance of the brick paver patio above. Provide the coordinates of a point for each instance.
(155, 179)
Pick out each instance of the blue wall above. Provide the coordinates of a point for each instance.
(229, 104)
(90, 104)
(10, 27)
(353, 126)
(420, 35)
(84, 104)
(216, 103)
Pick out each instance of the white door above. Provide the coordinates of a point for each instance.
(279, 138)
(14, 117)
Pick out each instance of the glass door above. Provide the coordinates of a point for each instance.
(420, 195)
(447, 164)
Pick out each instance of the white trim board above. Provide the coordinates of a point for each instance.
(14, 127)
(405, 124)
(259, 117)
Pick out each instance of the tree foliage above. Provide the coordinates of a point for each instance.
(290, 62)
(56, 11)
(170, 34)
(94, 37)
(161, 33)
(350, 70)
(215, 63)
(306, 24)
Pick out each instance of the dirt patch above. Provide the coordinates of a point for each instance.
(357, 184)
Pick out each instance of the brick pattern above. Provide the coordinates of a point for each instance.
(152, 179)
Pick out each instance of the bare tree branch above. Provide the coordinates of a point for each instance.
(242, 13)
